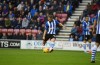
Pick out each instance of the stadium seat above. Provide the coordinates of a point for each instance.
(16, 30)
(28, 32)
(22, 30)
(34, 31)
(4, 30)
(62, 17)
(10, 30)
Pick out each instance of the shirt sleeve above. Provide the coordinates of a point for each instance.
(46, 26)
(57, 22)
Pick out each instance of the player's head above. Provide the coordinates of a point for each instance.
(50, 18)
(86, 18)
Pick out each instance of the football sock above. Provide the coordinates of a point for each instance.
(94, 49)
(89, 45)
(84, 47)
(51, 45)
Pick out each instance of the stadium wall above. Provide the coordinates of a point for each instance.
(37, 44)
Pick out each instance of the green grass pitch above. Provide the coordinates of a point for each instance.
(37, 57)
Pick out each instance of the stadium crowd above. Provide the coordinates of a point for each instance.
(25, 19)
(89, 14)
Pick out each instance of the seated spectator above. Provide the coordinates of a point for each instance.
(68, 9)
(20, 6)
(85, 12)
(11, 15)
(76, 38)
(33, 11)
(80, 30)
(38, 24)
(89, 8)
(0, 11)
(5, 12)
(77, 22)
(94, 8)
(71, 38)
(74, 30)
(14, 23)
(25, 23)
(29, 16)
(41, 17)
(19, 20)
(2, 23)
(39, 35)
(7, 23)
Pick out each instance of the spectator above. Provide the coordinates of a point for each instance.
(29, 16)
(38, 24)
(85, 12)
(7, 23)
(74, 30)
(11, 15)
(76, 38)
(25, 23)
(80, 30)
(71, 38)
(14, 23)
(20, 6)
(2, 23)
(19, 21)
(77, 22)
(0, 11)
(68, 9)
(41, 17)
(5, 12)
(94, 8)
(33, 11)
(39, 35)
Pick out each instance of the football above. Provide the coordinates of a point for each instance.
(46, 50)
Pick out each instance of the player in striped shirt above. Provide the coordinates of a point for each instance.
(87, 33)
(97, 44)
(50, 30)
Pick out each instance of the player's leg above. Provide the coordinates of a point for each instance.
(52, 43)
(46, 38)
(89, 41)
(94, 49)
(85, 41)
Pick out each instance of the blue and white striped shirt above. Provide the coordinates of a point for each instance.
(86, 28)
(98, 23)
(51, 26)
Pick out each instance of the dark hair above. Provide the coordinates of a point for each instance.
(50, 16)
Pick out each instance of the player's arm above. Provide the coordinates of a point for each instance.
(60, 24)
(94, 25)
(45, 31)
